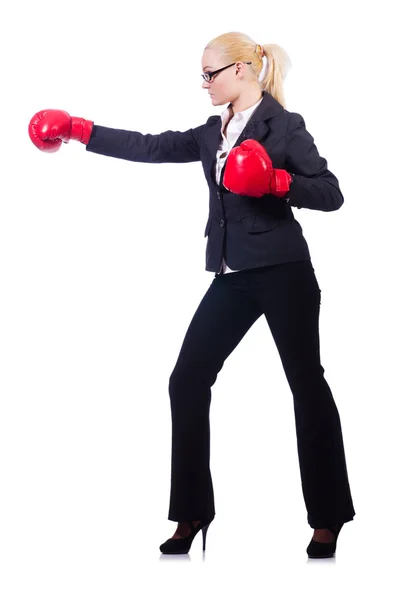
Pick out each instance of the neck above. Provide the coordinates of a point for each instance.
(244, 101)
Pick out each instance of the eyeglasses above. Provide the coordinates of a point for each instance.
(208, 76)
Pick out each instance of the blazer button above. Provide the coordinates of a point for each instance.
(222, 223)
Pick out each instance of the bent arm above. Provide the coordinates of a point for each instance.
(313, 185)
(169, 146)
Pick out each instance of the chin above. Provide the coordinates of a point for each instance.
(217, 101)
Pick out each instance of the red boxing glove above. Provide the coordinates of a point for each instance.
(249, 172)
(49, 128)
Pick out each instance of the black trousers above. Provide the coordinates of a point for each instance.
(289, 296)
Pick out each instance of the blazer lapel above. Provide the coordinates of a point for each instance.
(255, 129)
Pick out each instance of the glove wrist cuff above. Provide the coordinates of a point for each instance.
(281, 182)
(81, 130)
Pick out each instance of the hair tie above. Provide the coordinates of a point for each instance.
(263, 72)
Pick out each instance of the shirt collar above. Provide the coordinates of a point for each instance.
(239, 117)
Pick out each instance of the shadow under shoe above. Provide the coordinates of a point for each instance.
(324, 549)
(182, 545)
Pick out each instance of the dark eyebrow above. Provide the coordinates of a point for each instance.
(207, 67)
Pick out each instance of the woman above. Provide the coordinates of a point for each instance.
(259, 161)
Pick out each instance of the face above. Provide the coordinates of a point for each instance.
(224, 86)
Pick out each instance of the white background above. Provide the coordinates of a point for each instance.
(102, 266)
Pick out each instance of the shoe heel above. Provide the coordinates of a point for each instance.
(204, 530)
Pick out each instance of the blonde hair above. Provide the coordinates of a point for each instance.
(235, 46)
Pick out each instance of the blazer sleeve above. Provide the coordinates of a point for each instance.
(169, 146)
(313, 185)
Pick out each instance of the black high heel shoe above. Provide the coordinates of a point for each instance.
(182, 545)
(324, 549)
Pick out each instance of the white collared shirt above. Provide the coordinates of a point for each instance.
(235, 125)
